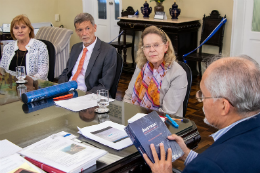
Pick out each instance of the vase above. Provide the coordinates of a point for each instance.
(158, 7)
(175, 11)
(146, 10)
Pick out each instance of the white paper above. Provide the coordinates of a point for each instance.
(13, 162)
(7, 148)
(106, 137)
(80, 103)
(62, 153)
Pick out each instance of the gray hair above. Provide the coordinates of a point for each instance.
(82, 17)
(238, 80)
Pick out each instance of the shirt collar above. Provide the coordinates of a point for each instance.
(221, 132)
(27, 46)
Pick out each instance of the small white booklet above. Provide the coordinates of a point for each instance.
(80, 103)
(11, 162)
(108, 133)
(63, 153)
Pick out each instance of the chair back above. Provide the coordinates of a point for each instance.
(189, 79)
(119, 67)
(60, 38)
(51, 52)
(209, 24)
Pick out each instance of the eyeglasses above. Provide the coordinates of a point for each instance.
(148, 47)
(200, 97)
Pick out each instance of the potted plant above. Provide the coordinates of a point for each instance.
(159, 6)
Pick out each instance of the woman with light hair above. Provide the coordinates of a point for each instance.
(25, 51)
(159, 82)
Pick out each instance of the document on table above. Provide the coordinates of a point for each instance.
(11, 162)
(80, 103)
(15, 162)
(107, 133)
(7, 148)
(63, 154)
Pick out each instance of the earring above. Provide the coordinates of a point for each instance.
(165, 52)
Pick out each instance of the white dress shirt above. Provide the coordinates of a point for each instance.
(81, 78)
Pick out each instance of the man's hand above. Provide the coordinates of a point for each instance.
(2, 71)
(160, 166)
(181, 143)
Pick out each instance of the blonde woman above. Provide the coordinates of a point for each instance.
(159, 82)
(25, 51)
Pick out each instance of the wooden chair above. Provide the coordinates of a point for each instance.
(119, 44)
(209, 24)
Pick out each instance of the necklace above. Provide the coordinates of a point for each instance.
(22, 58)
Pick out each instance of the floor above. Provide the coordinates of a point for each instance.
(194, 113)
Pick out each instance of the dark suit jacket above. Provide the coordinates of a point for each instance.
(236, 151)
(101, 68)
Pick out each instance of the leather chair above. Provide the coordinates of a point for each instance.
(120, 44)
(189, 79)
(51, 52)
(209, 24)
(119, 67)
(60, 38)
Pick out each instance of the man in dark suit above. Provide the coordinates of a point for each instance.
(230, 92)
(92, 63)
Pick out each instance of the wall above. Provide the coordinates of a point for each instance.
(36, 10)
(44, 11)
(196, 9)
(68, 9)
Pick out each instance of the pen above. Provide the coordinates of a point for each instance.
(66, 135)
(172, 121)
(68, 96)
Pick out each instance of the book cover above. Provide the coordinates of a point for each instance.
(150, 129)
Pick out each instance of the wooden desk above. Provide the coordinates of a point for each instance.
(183, 33)
(25, 124)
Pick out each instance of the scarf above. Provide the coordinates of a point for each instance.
(146, 92)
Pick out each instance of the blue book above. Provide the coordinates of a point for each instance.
(150, 129)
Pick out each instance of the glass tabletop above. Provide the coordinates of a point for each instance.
(25, 124)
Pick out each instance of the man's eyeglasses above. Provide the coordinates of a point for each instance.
(200, 97)
(148, 47)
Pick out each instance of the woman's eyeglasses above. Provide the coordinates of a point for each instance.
(148, 47)
(200, 97)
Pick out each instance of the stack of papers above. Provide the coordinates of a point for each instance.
(11, 162)
(108, 133)
(63, 153)
(80, 103)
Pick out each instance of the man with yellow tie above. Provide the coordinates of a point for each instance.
(92, 62)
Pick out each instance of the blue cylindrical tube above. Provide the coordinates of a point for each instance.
(48, 92)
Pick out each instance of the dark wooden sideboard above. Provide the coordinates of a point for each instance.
(183, 33)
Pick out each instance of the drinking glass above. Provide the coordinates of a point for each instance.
(102, 100)
(21, 89)
(20, 74)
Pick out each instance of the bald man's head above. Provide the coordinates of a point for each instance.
(237, 79)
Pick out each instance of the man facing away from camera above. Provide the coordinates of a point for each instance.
(230, 92)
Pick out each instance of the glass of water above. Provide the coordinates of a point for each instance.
(20, 74)
(102, 100)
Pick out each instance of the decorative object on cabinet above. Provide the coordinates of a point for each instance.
(146, 10)
(158, 7)
(175, 11)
